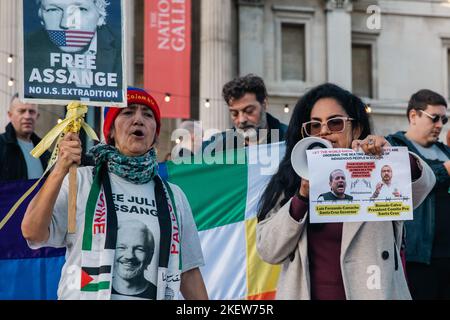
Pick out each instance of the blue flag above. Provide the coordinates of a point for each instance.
(25, 274)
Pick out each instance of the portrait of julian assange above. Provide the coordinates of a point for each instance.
(134, 253)
(71, 45)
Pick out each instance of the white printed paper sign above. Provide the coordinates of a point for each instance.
(349, 186)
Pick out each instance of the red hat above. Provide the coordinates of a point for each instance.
(134, 96)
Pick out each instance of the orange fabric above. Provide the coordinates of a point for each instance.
(263, 296)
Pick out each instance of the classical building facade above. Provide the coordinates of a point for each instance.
(382, 50)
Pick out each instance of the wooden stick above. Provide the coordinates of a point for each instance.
(74, 126)
(72, 221)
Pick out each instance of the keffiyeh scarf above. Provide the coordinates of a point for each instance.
(138, 170)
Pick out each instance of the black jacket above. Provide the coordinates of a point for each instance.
(272, 123)
(12, 161)
(330, 196)
(421, 233)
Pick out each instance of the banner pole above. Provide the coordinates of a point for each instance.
(74, 127)
(73, 187)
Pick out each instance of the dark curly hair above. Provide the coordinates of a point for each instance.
(238, 87)
(286, 182)
(422, 98)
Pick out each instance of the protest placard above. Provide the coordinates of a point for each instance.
(73, 51)
(349, 186)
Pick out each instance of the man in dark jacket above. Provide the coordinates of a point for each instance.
(16, 143)
(428, 235)
(246, 98)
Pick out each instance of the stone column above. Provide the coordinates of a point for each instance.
(251, 37)
(217, 62)
(339, 42)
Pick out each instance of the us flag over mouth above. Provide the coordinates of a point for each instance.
(71, 38)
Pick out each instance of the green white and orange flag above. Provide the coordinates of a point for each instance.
(224, 192)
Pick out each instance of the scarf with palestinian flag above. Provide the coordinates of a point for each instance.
(100, 237)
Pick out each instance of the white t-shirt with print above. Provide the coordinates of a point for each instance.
(136, 202)
(132, 202)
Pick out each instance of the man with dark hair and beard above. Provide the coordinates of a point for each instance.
(135, 249)
(337, 184)
(247, 102)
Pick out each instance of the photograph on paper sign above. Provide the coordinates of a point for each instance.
(134, 253)
(73, 50)
(350, 186)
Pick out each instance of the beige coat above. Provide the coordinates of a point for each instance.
(366, 275)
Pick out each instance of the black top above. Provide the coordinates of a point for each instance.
(149, 293)
(428, 234)
(12, 161)
(330, 196)
(225, 137)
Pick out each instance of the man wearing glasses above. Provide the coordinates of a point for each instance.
(428, 235)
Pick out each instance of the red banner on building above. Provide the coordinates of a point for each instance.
(167, 55)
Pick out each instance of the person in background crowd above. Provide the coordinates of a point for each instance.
(247, 102)
(16, 162)
(192, 137)
(168, 156)
(428, 235)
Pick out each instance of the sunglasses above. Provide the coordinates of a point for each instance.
(334, 125)
(436, 117)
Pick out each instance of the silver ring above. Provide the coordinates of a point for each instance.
(371, 141)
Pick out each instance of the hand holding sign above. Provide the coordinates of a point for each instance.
(71, 154)
(304, 188)
(74, 121)
(371, 145)
(69, 160)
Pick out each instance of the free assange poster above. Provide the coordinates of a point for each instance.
(74, 50)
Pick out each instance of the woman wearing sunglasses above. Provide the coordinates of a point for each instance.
(358, 260)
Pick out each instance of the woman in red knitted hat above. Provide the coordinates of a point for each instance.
(136, 237)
